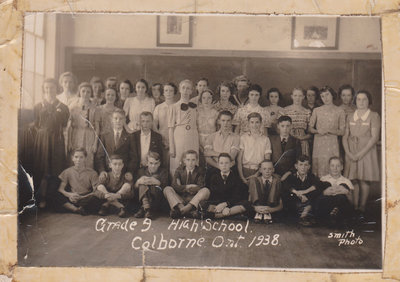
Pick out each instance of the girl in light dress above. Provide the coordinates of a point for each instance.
(98, 91)
(161, 118)
(82, 132)
(206, 116)
(125, 90)
(134, 106)
(300, 118)
(274, 97)
(346, 94)
(312, 99)
(240, 119)
(224, 98)
(68, 83)
(359, 142)
(326, 123)
(182, 124)
(103, 112)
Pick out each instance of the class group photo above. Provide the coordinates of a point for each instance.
(286, 138)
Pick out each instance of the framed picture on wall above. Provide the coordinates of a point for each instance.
(315, 32)
(174, 31)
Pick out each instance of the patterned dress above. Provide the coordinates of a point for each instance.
(102, 118)
(83, 132)
(274, 112)
(300, 119)
(133, 107)
(186, 136)
(367, 168)
(325, 146)
(230, 107)
(240, 118)
(206, 123)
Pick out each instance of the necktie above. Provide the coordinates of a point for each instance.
(117, 136)
(189, 178)
(224, 177)
(267, 185)
(283, 144)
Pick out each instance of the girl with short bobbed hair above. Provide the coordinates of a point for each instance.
(81, 125)
(346, 94)
(224, 97)
(359, 142)
(161, 117)
(206, 116)
(326, 123)
(48, 150)
(182, 124)
(104, 112)
(312, 99)
(253, 106)
(300, 118)
(68, 83)
(142, 102)
(125, 90)
(274, 98)
(98, 91)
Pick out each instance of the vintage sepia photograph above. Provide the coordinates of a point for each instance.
(201, 141)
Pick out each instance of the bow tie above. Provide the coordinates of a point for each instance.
(185, 107)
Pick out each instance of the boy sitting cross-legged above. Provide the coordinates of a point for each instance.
(114, 187)
(187, 187)
(335, 203)
(226, 191)
(152, 179)
(300, 189)
(76, 191)
(265, 193)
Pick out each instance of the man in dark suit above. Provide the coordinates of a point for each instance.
(117, 141)
(228, 196)
(285, 148)
(143, 141)
(187, 189)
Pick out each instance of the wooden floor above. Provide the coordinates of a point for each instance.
(51, 239)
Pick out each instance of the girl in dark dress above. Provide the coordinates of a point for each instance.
(51, 116)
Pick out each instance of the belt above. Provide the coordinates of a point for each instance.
(251, 166)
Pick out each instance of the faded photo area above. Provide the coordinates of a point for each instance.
(201, 141)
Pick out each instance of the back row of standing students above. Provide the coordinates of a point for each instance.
(77, 119)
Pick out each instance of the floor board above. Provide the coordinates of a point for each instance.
(51, 239)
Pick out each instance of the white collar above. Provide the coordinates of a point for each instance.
(265, 179)
(118, 131)
(363, 117)
(227, 174)
(144, 135)
(286, 138)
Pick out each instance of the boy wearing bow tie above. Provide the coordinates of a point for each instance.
(226, 190)
(265, 193)
(187, 189)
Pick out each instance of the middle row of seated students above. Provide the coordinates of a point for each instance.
(301, 194)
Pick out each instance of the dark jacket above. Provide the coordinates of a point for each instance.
(284, 159)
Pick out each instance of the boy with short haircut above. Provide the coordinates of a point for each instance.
(144, 141)
(152, 179)
(116, 141)
(81, 182)
(114, 187)
(335, 203)
(300, 190)
(285, 148)
(187, 188)
(265, 193)
(254, 148)
(111, 82)
(225, 187)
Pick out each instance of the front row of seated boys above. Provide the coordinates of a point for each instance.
(265, 199)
